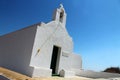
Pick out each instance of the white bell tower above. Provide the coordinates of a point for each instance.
(60, 15)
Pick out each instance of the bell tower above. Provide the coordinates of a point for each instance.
(60, 15)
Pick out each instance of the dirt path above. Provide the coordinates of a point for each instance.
(17, 76)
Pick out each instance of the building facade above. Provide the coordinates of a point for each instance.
(41, 50)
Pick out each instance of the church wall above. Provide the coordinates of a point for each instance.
(76, 61)
(16, 49)
(70, 63)
(65, 61)
(42, 58)
(29, 51)
(63, 40)
(47, 36)
(43, 41)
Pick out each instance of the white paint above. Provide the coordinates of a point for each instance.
(16, 49)
(29, 51)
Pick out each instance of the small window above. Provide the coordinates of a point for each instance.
(61, 16)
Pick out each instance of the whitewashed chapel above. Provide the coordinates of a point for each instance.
(41, 50)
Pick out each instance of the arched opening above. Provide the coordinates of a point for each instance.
(61, 16)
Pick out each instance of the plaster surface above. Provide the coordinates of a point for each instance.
(29, 50)
(16, 50)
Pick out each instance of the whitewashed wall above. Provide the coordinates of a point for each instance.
(47, 36)
(16, 50)
(33, 47)
(76, 62)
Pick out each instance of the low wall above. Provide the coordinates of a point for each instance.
(92, 74)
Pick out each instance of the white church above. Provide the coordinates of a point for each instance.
(41, 50)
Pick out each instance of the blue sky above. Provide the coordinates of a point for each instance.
(93, 24)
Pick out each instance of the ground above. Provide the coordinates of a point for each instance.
(17, 76)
